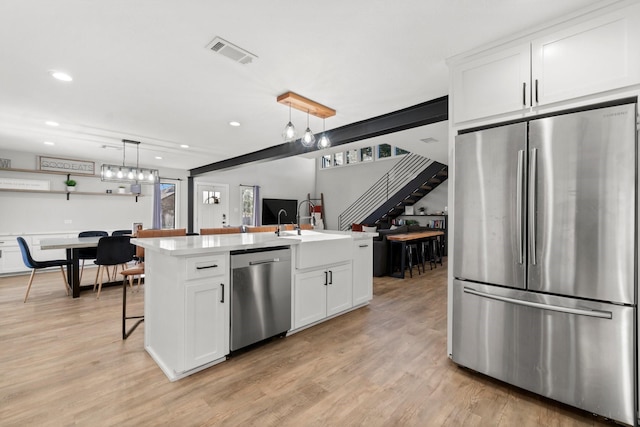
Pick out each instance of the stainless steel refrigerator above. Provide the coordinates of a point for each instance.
(545, 257)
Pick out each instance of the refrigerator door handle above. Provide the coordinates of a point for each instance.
(533, 168)
(578, 311)
(519, 206)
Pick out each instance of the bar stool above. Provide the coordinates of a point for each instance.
(437, 249)
(411, 250)
(429, 248)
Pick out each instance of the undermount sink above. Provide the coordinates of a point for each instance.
(316, 249)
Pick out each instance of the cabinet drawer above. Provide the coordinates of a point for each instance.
(206, 266)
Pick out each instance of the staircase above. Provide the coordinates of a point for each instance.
(407, 182)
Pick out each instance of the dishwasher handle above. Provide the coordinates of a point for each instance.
(264, 261)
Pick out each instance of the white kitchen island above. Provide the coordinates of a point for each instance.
(187, 295)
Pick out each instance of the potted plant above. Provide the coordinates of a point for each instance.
(71, 185)
(422, 210)
(122, 189)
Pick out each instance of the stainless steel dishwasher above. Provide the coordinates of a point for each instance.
(260, 295)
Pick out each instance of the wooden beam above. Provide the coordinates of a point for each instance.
(306, 105)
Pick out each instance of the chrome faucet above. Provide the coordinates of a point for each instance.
(281, 211)
(298, 217)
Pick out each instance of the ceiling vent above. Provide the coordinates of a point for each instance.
(429, 140)
(231, 51)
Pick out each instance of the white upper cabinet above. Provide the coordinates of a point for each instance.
(595, 56)
(493, 84)
(575, 60)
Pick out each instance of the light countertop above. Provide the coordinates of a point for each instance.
(193, 245)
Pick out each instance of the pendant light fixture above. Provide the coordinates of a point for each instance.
(129, 174)
(289, 133)
(324, 141)
(308, 139)
(311, 108)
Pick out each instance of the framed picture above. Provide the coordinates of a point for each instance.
(137, 226)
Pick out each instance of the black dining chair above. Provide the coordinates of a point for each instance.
(36, 265)
(111, 251)
(133, 248)
(88, 253)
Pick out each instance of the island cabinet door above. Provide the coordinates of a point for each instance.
(310, 297)
(207, 322)
(362, 271)
(339, 289)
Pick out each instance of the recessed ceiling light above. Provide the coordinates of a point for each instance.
(51, 123)
(158, 158)
(49, 143)
(234, 124)
(60, 76)
(184, 146)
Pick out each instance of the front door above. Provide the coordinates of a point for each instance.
(212, 205)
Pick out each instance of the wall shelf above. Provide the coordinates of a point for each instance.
(49, 172)
(68, 175)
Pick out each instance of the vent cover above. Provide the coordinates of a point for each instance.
(231, 51)
(429, 140)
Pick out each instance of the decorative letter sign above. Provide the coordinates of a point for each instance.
(76, 167)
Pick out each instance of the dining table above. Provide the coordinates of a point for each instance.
(72, 246)
(402, 239)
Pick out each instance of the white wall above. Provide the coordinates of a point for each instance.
(342, 185)
(435, 201)
(22, 212)
(289, 178)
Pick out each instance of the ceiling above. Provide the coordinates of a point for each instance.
(142, 71)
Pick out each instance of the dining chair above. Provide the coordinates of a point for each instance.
(36, 265)
(138, 251)
(88, 253)
(130, 273)
(133, 249)
(262, 229)
(150, 232)
(111, 251)
(220, 230)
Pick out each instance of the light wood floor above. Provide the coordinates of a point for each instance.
(62, 362)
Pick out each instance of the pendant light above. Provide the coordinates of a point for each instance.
(324, 141)
(289, 133)
(308, 139)
(129, 174)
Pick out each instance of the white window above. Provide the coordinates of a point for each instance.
(326, 161)
(168, 204)
(366, 154)
(384, 151)
(399, 151)
(247, 198)
(352, 156)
